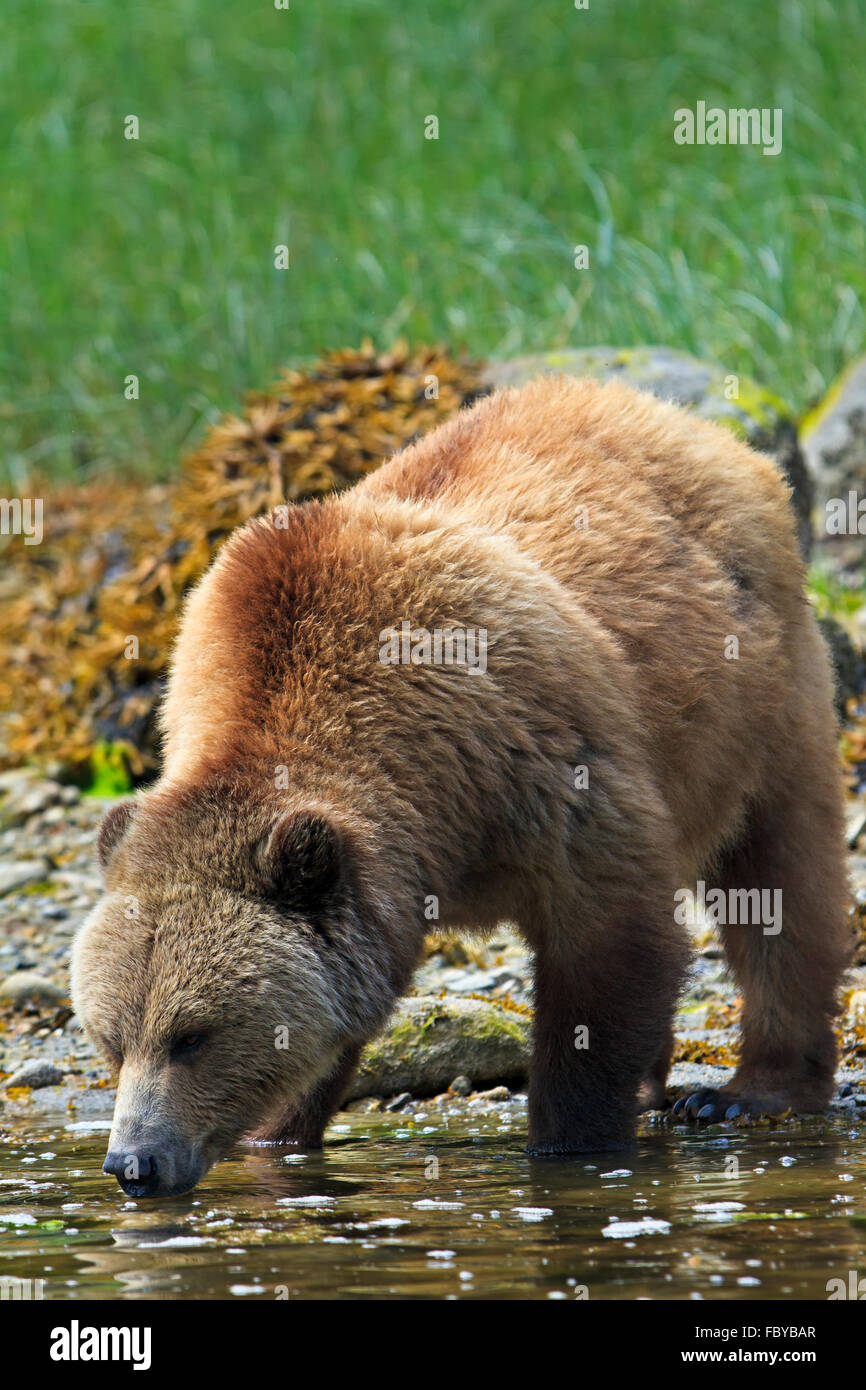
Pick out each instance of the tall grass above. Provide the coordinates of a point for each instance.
(259, 127)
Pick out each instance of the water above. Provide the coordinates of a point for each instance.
(442, 1203)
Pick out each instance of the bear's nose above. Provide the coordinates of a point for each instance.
(136, 1172)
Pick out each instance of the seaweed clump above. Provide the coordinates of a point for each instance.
(87, 617)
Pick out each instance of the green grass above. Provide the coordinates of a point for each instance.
(305, 126)
(833, 597)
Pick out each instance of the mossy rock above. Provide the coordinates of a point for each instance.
(834, 434)
(752, 413)
(430, 1041)
(834, 447)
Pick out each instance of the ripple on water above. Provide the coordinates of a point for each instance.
(453, 1210)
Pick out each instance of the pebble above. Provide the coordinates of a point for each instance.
(498, 1093)
(21, 872)
(24, 985)
(369, 1105)
(462, 981)
(857, 1006)
(397, 1102)
(26, 798)
(55, 912)
(35, 1074)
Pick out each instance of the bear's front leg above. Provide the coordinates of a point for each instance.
(304, 1122)
(603, 1011)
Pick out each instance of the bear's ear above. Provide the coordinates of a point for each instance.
(112, 830)
(299, 861)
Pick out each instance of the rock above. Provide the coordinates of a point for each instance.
(848, 664)
(834, 443)
(29, 798)
(429, 1041)
(55, 912)
(857, 1006)
(22, 986)
(461, 1086)
(857, 875)
(397, 1102)
(17, 778)
(474, 981)
(35, 1074)
(453, 951)
(498, 1093)
(369, 1105)
(753, 413)
(20, 872)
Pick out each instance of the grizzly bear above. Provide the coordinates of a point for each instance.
(547, 665)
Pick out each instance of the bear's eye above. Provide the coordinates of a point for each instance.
(187, 1044)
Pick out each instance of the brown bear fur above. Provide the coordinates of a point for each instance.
(611, 545)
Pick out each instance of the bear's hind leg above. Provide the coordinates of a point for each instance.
(789, 974)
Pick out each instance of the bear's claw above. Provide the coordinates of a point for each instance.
(708, 1106)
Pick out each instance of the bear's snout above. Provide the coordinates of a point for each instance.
(137, 1173)
(143, 1173)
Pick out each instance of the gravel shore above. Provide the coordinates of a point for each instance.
(49, 882)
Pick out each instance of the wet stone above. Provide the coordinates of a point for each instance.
(35, 1074)
(397, 1102)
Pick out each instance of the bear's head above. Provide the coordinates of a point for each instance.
(227, 966)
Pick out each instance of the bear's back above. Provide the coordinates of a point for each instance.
(605, 483)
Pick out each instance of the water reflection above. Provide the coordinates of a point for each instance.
(442, 1203)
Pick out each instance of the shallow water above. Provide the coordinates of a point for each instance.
(442, 1203)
